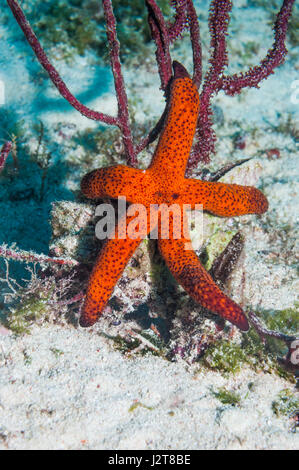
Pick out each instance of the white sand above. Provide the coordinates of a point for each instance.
(82, 398)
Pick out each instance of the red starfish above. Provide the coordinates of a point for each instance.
(164, 182)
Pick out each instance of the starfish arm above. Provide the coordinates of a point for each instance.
(176, 139)
(188, 271)
(114, 181)
(108, 268)
(222, 199)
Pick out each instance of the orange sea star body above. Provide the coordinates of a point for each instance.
(164, 182)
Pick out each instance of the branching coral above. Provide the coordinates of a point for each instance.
(164, 34)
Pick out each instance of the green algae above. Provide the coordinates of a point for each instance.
(66, 24)
(123, 345)
(286, 403)
(225, 356)
(229, 358)
(286, 320)
(23, 317)
(37, 303)
(57, 352)
(227, 397)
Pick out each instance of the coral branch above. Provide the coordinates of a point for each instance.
(122, 121)
(218, 24)
(4, 154)
(123, 112)
(195, 42)
(275, 57)
(205, 135)
(290, 341)
(225, 169)
(263, 331)
(216, 81)
(160, 36)
(180, 23)
(31, 257)
(50, 69)
(163, 34)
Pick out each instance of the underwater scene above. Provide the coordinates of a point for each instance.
(149, 195)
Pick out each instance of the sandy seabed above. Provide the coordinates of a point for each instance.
(68, 389)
